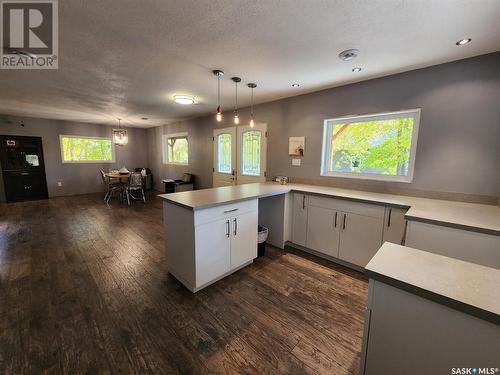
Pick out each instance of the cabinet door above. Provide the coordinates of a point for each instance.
(213, 247)
(394, 225)
(299, 220)
(243, 238)
(360, 238)
(323, 230)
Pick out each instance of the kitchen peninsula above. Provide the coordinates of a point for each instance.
(212, 233)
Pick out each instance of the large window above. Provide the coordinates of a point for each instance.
(175, 149)
(379, 147)
(79, 149)
(251, 153)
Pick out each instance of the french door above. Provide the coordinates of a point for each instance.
(239, 155)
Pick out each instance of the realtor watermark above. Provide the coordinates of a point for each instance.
(474, 371)
(29, 34)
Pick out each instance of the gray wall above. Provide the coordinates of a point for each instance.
(459, 139)
(76, 178)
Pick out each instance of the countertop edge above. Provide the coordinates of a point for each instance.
(450, 224)
(216, 204)
(435, 297)
(408, 216)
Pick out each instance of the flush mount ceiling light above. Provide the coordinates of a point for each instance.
(236, 80)
(183, 99)
(120, 136)
(219, 73)
(357, 69)
(251, 86)
(461, 42)
(295, 85)
(348, 54)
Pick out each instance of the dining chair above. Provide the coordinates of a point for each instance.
(135, 184)
(112, 186)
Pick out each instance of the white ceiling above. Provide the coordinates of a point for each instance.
(127, 58)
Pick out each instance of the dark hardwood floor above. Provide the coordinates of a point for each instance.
(85, 289)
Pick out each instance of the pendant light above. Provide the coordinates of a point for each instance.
(236, 80)
(120, 136)
(219, 73)
(251, 86)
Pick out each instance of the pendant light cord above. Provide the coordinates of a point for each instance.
(236, 97)
(218, 92)
(251, 107)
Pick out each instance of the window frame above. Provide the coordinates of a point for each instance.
(326, 149)
(216, 166)
(166, 137)
(113, 153)
(261, 135)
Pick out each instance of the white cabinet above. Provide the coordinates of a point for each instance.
(360, 238)
(474, 247)
(243, 238)
(323, 228)
(394, 225)
(202, 246)
(299, 219)
(213, 250)
(339, 228)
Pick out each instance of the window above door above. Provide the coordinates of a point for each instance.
(377, 147)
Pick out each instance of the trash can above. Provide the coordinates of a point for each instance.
(263, 232)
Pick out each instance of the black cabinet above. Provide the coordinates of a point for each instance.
(22, 168)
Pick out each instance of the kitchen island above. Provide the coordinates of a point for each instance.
(429, 314)
(211, 233)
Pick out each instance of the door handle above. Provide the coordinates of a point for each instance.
(227, 228)
(389, 220)
(235, 226)
(343, 225)
(304, 202)
(233, 210)
(335, 220)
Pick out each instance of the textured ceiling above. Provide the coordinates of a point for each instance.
(127, 58)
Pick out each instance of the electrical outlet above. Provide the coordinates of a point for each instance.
(296, 162)
(59, 183)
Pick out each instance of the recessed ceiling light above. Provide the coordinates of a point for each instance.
(358, 69)
(295, 85)
(183, 99)
(348, 54)
(461, 42)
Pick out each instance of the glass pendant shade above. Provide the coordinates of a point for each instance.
(120, 137)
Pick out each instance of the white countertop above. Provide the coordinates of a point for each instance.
(461, 285)
(469, 216)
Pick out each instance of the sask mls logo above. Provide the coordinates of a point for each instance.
(29, 34)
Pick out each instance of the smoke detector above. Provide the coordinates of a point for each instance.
(348, 54)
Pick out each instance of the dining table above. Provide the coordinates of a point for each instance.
(118, 175)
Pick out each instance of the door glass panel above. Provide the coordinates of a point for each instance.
(224, 153)
(251, 153)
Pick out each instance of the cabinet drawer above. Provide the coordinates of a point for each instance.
(207, 215)
(359, 208)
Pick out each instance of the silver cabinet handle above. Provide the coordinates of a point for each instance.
(389, 219)
(227, 228)
(235, 226)
(335, 220)
(304, 202)
(233, 210)
(343, 225)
